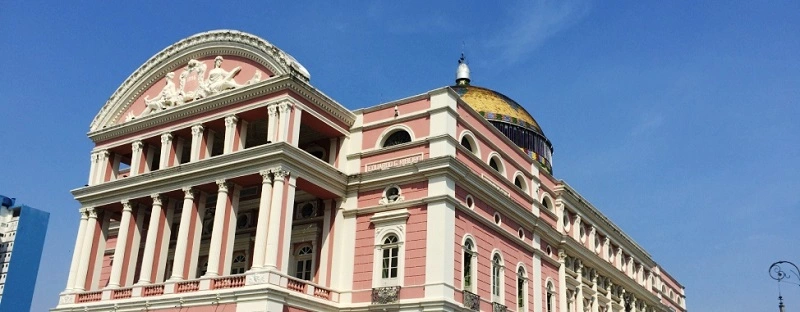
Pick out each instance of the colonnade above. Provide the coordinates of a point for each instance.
(277, 196)
(283, 120)
(272, 238)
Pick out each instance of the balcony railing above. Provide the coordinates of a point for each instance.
(496, 307)
(122, 293)
(259, 279)
(471, 301)
(385, 295)
(235, 281)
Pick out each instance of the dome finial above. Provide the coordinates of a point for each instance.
(462, 73)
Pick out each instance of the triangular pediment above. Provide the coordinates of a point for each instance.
(199, 67)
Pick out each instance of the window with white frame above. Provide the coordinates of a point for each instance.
(469, 278)
(389, 250)
(522, 290)
(304, 263)
(239, 264)
(397, 137)
(497, 278)
(389, 256)
(550, 304)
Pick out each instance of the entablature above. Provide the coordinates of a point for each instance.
(226, 166)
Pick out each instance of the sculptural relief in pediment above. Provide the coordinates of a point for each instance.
(197, 80)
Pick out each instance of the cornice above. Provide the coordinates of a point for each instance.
(257, 90)
(226, 166)
(588, 212)
(596, 262)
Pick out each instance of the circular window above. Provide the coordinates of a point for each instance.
(469, 201)
(597, 245)
(549, 251)
(497, 218)
(583, 234)
(392, 194)
(521, 233)
(565, 220)
(307, 211)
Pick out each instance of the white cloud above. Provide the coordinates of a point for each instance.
(531, 23)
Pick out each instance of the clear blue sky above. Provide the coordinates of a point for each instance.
(678, 120)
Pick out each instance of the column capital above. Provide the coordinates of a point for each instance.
(157, 200)
(126, 205)
(562, 256)
(223, 185)
(231, 121)
(272, 109)
(265, 178)
(166, 138)
(91, 213)
(93, 157)
(103, 154)
(137, 146)
(285, 106)
(197, 130)
(84, 212)
(188, 192)
(280, 173)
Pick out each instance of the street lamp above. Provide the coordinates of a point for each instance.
(777, 273)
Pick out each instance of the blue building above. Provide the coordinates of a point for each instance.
(22, 232)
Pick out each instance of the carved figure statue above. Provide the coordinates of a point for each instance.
(218, 81)
(168, 97)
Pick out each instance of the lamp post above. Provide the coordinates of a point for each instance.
(776, 271)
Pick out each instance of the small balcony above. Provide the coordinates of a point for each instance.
(496, 307)
(471, 301)
(385, 295)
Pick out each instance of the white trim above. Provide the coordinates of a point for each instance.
(391, 130)
(385, 199)
(501, 296)
(466, 202)
(476, 148)
(525, 292)
(474, 265)
(387, 223)
(525, 187)
(500, 163)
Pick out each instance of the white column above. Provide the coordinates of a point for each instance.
(230, 133)
(240, 143)
(136, 158)
(92, 168)
(287, 224)
(297, 116)
(179, 261)
(166, 232)
(166, 150)
(120, 251)
(324, 253)
(562, 280)
(439, 257)
(285, 109)
(77, 251)
(576, 229)
(595, 303)
(332, 148)
(146, 272)
(263, 220)
(197, 140)
(537, 274)
(579, 289)
(214, 248)
(86, 250)
(230, 224)
(272, 122)
(273, 242)
(102, 167)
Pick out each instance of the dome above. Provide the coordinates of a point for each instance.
(507, 116)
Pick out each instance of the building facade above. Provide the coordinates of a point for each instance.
(22, 233)
(221, 179)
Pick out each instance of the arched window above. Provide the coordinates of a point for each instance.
(469, 266)
(303, 261)
(397, 137)
(550, 297)
(239, 263)
(466, 143)
(497, 279)
(389, 250)
(547, 204)
(519, 182)
(522, 297)
(495, 164)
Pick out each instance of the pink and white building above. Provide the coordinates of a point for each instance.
(222, 180)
